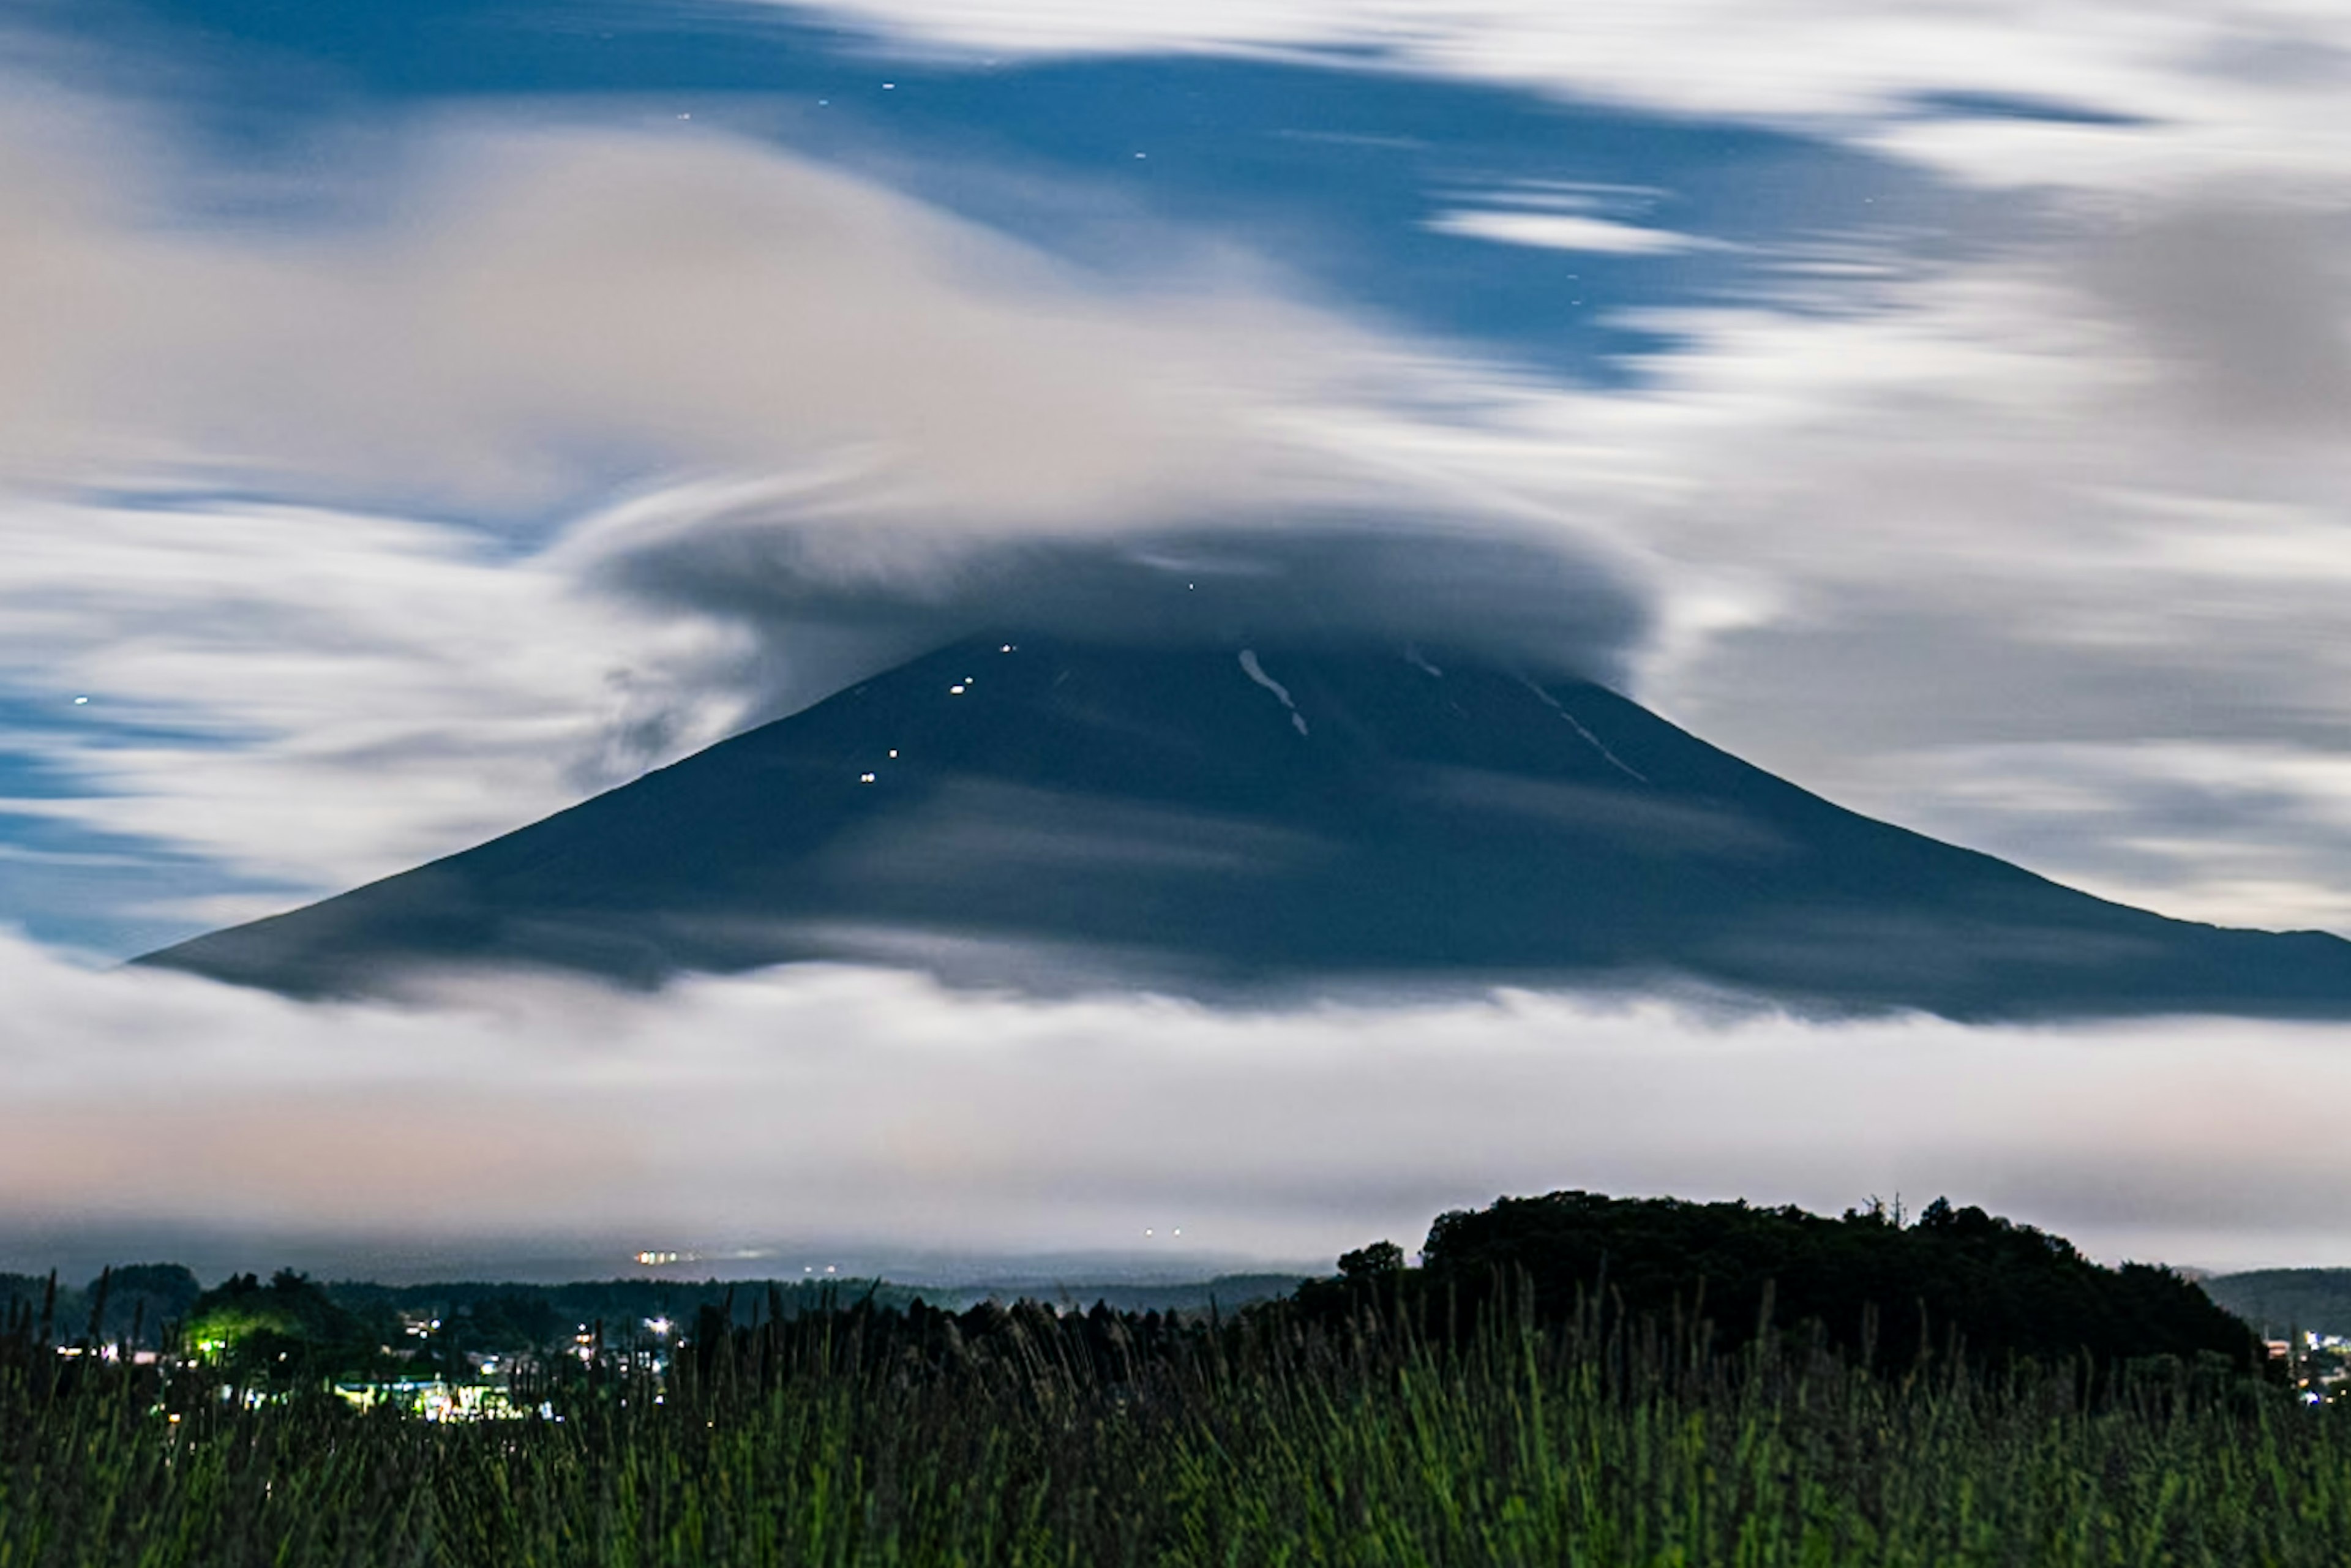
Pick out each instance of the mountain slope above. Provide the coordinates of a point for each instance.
(1031, 810)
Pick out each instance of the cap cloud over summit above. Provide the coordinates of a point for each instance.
(801, 580)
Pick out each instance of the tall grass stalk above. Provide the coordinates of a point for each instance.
(854, 1437)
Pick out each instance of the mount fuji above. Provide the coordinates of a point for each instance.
(1227, 820)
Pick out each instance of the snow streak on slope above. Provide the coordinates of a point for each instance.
(1256, 673)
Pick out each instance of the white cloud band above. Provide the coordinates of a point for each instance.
(830, 1105)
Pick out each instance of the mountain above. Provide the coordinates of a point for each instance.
(1245, 820)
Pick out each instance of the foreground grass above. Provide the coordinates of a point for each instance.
(857, 1439)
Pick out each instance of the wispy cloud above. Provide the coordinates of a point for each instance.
(316, 698)
(1566, 231)
(2084, 94)
(517, 315)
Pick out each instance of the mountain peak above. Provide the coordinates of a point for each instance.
(1257, 816)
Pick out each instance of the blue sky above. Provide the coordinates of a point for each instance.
(1959, 396)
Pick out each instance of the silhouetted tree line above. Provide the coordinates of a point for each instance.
(35, 1325)
(290, 1331)
(2282, 1301)
(1883, 1291)
(1955, 1285)
(1957, 1288)
(149, 1297)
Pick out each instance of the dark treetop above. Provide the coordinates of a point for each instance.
(1956, 1279)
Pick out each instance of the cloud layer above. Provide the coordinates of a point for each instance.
(809, 1107)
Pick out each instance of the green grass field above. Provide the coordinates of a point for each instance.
(856, 1436)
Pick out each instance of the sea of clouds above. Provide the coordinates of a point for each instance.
(824, 1104)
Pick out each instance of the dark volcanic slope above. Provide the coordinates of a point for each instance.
(1226, 818)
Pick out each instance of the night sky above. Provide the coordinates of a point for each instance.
(415, 418)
